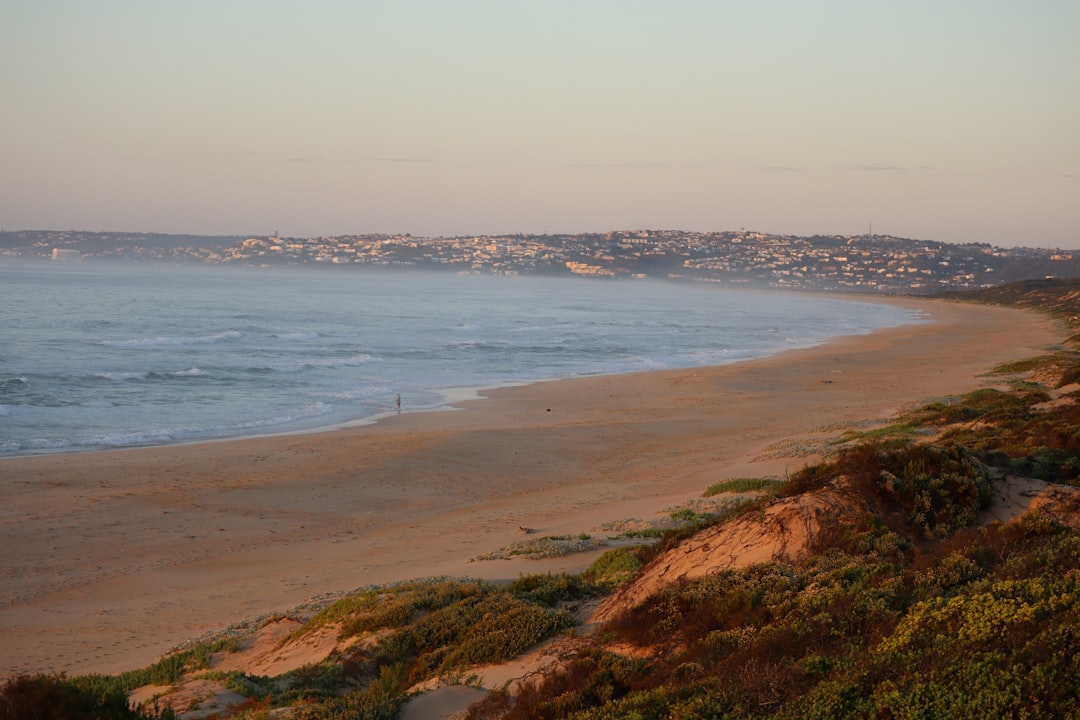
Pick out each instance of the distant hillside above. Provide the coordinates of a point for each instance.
(107, 242)
(835, 263)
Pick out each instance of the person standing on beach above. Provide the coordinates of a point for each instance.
(398, 402)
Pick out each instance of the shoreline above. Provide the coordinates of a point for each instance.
(448, 398)
(113, 557)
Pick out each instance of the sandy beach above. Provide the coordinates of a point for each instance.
(110, 559)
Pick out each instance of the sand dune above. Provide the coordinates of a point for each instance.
(110, 559)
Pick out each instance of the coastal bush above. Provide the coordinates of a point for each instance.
(868, 536)
(440, 626)
(987, 404)
(397, 605)
(688, 700)
(947, 575)
(305, 684)
(893, 433)
(695, 515)
(48, 697)
(671, 537)
(250, 686)
(980, 629)
(940, 488)
(514, 630)
(485, 628)
(382, 700)
(251, 709)
(550, 589)
(1050, 464)
(652, 533)
(315, 680)
(1045, 444)
(1070, 375)
(1064, 364)
(615, 567)
(347, 607)
(1013, 429)
(943, 488)
(688, 516)
(992, 651)
(1025, 365)
(169, 670)
(422, 629)
(740, 485)
(588, 682)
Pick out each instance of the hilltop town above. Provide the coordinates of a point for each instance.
(862, 263)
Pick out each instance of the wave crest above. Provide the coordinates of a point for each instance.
(173, 340)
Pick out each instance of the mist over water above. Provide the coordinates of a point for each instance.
(99, 356)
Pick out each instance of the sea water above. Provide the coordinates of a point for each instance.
(97, 356)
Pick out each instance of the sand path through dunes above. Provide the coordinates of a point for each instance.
(109, 559)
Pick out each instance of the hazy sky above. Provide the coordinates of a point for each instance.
(950, 120)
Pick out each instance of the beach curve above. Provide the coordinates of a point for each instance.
(112, 558)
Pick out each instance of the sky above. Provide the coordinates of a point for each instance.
(948, 120)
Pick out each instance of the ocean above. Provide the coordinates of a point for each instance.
(96, 356)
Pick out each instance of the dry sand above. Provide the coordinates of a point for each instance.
(110, 559)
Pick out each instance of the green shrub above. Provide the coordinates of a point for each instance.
(486, 628)
(549, 589)
(250, 686)
(686, 700)
(1027, 365)
(397, 605)
(615, 567)
(373, 703)
(346, 607)
(587, 683)
(1051, 464)
(169, 670)
(48, 697)
(987, 404)
(942, 488)
(739, 485)
(1070, 375)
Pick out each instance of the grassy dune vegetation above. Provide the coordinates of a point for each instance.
(919, 610)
